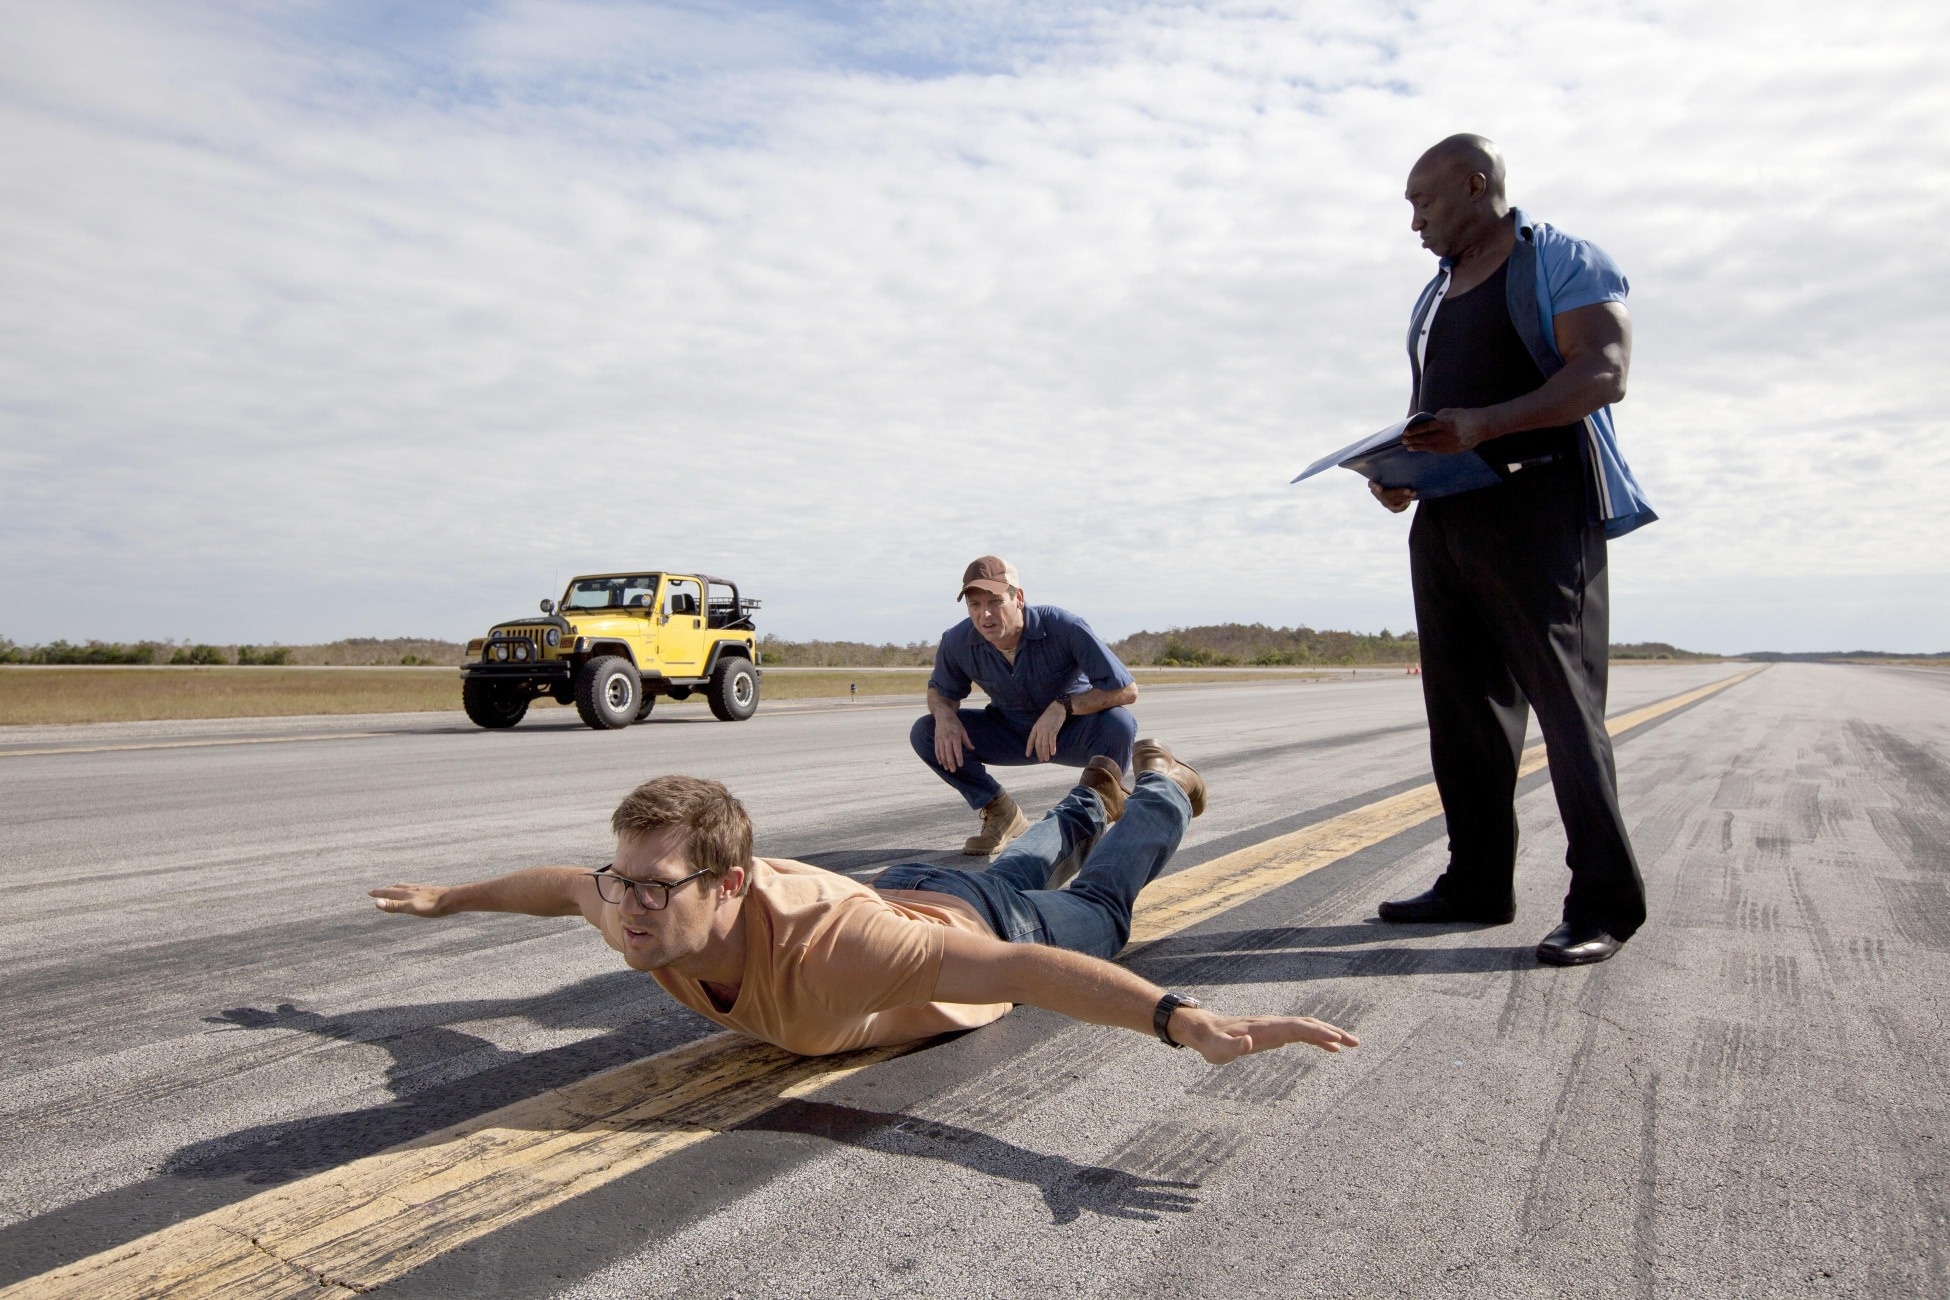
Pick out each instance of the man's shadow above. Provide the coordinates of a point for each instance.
(1068, 1188)
(425, 1052)
(279, 1152)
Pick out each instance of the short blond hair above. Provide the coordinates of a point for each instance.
(718, 829)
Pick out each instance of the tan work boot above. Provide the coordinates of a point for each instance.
(1152, 756)
(1002, 821)
(1106, 779)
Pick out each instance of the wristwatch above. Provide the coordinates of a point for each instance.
(1069, 706)
(1161, 1018)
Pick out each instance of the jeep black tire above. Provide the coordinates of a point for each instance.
(491, 704)
(608, 692)
(733, 691)
(643, 709)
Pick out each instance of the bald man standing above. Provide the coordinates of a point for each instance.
(1517, 348)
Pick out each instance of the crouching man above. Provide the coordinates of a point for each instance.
(1056, 695)
(814, 962)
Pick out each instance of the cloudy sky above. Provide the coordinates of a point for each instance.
(341, 319)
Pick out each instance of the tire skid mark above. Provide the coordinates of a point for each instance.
(1703, 881)
(1920, 839)
(1915, 822)
(1919, 910)
(1166, 1149)
(1775, 977)
(1869, 954)
(1538, 1194)
(1802, 805)
(1725, 1054)
(1513, 1001)
(1056, 1065)
(1312, 744)
(1645, 1212)
(1273, 1077)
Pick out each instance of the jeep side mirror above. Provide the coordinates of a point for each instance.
(548, 606)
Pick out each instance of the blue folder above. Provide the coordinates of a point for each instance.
(1382, 458)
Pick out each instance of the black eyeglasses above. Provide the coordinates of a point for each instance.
(651, 895)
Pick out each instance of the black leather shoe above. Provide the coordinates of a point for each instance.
(1576, 945)
(1430, 906)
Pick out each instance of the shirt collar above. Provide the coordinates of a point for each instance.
(1524, 231)
(1032, 624)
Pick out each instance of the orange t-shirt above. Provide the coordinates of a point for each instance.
(832, 965)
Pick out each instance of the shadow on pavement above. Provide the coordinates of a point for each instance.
(1068, 1188)
(203, 1176)
(422, 1055)
(1296, 954)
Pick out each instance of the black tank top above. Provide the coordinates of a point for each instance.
(1476, 358)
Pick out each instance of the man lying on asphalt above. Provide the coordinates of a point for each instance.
(815, 962)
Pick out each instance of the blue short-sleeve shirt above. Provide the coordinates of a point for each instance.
(1058, 655)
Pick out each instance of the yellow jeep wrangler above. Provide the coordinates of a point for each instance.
(613, 645)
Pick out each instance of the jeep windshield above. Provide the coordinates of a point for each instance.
(611, 593)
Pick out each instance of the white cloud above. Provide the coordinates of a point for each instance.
(318, 327)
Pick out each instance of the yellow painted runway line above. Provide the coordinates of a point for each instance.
(366, 1223)
(193, 744)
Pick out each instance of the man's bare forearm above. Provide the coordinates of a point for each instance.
(532, 891)
(984, 970)
(1096, 701)
(1565, 398)
(941, 706)
(1069, 983)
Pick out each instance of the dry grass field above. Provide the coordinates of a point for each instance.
(31, 696)
(39, 696)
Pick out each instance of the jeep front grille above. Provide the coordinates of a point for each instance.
(500, 643)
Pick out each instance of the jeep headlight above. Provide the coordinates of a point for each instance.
(554, 636)
(501, 652)
(521, 649)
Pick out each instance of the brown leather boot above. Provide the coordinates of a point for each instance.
(1153, 756)
(1106, 779)
(1002, 821)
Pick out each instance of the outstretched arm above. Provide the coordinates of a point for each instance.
(978, 969)
(536, 891)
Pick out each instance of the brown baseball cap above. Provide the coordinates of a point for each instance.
(991, 573)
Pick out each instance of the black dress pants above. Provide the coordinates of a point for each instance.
(1511, 609)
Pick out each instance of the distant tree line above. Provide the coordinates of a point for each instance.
(777, 653)
(1654, 650)
(1824, 656)
(357, 650)
(1223, 645)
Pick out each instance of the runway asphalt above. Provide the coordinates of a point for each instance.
(1748, 1101)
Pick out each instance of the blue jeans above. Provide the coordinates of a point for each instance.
(1001, 739)
(1092, 914)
